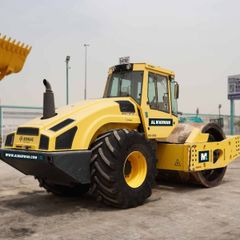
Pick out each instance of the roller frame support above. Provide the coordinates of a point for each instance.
(197, 156)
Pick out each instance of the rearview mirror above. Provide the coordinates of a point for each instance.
(176, 90)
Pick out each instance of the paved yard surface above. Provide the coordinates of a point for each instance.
(172, 212)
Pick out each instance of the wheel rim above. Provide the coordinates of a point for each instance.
(135, 169)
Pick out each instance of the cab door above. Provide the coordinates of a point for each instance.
(156, 112)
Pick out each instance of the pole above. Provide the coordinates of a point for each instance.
(67, 82)
(232, 117)
(85, 82)
(219, 110)
(197, 112)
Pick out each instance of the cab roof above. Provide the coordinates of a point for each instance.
(143, 66)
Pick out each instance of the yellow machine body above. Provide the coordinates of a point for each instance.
(92, 118)
(12, 56)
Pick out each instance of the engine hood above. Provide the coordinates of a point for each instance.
(89, 118)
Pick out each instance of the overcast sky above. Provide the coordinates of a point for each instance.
(199, 40)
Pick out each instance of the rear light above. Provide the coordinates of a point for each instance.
(9, 140)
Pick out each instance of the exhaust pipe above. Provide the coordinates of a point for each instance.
(48, 101)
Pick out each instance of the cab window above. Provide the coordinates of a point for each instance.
(173, 99)
(152, 95)
(158, 92)
(125, 84)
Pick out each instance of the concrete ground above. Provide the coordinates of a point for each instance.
(172, 212)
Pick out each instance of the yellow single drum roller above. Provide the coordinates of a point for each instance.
(12, 56)
(114, 147)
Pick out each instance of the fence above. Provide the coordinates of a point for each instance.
(206, 118)
(12, 116)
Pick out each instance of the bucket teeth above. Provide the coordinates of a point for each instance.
(12, 55)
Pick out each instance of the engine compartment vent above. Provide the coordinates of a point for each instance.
(61, 125)
(65, 140)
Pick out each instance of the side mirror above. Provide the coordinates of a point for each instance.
(176, 90)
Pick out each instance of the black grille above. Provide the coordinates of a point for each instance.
(126, 106)
(44, 142)
(9, 140)
(61, 125)
(28, 131)
(64, 141)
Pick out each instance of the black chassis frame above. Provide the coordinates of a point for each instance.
(62, 167)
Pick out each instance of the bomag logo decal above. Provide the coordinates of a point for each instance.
(26, 139)
(203, 156)
(160, 122)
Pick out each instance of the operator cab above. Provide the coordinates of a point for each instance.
(124, 81)
(153, 89)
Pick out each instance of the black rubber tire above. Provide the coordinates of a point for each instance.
(64, 191)
(107, 178)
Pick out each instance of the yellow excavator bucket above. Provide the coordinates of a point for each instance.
(12, 56)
